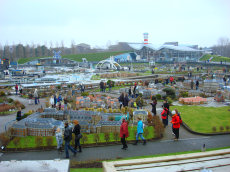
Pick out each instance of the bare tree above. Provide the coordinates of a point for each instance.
(73, 47)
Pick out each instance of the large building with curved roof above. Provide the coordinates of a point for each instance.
(170, 52)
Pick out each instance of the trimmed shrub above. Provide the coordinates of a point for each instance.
(10, 100)
(227, 128)
(84, 138)
(170, 92)
(107, 137)
(214, 129)
(158, 96)
(221, 128)
(39, 141)
(2, 93)
(96, 137)
(4, 139)
(16, 142)
(49, 141)
(116, 136)
(170, 101)
(85, 94)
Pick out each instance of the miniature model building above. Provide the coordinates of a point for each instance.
(45, 123)
(97, 101)
(140, 113)
(193, 100)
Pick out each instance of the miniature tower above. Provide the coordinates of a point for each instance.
(146, 35)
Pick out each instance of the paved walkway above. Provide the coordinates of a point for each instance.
(114, 152)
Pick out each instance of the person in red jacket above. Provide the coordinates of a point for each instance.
(171, 79)
(124, 133)
(164, 116)
(176, 121)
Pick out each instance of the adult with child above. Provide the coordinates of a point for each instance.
(78, 135)
(140, 131)
(124, 133)
(16, 89)
(68, 138)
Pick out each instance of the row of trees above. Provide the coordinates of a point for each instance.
(222, 48)
(14, 52)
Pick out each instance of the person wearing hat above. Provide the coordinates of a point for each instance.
(124, 133)
(68, 138)
(175, 124)
(140, 131)
(78, 135)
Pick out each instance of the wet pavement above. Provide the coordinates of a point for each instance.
(115, 151)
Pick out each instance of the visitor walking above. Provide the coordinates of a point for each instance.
(30, 97)
(110, 86)
(52, 101)
(166, 105)
(224, 79)
(175, 124)
(36, 96)
(121, 99)
(19, 114)
(197, 84)
(101, 85)
(192, 84)
(16, 89)
(68, 138)
(59, 140)
(59, 100)
(171, 79)
(78, 135)
(104, 87)
(164, 116)
(124, 133)
(20, 89)
(126, 100)
(55, 100)
(65, 103)
(154, 104)
(140, 131)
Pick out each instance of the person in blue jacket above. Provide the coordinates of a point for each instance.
(140, 132)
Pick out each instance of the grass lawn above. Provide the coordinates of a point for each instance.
(29, 141)
(78, 57)
(202, 119)
(140, 157)
(215, 58)
(86, 169)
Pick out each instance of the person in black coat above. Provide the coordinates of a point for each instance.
(68, 138)
(121, 99)
(126, 100)
(19, 115)
(77, 132)
(154, 104)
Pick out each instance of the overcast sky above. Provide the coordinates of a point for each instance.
(98, 22)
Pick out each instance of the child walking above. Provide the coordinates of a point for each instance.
(59, 139)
